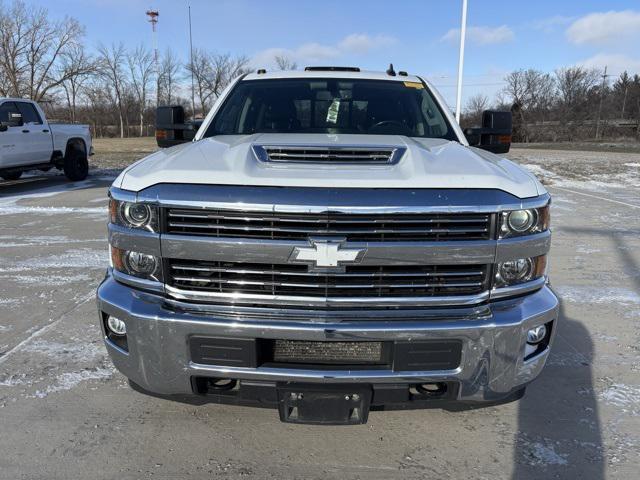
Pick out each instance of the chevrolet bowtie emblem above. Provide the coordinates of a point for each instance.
(326, 253)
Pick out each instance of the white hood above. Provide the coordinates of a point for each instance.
(427, 163)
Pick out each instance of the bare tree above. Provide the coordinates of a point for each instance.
(285, 63)
(168, 77)
(201, 67)
(32, 47)
(474, 108)
(141, 68)
(226, 68)
(111, 68)
(574, 85)
(75, 60)
(533, 92)
(576, 88)
(213, 72)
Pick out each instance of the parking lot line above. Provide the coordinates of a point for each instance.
(596, 196)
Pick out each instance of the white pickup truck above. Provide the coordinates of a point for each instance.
(29, 142)
(328, 243)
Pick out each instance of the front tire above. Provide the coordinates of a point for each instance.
(76, 165)
(11, 176)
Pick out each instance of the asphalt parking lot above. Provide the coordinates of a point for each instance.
(65, 413)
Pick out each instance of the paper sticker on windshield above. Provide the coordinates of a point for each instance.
(413, 85)
(332, 113)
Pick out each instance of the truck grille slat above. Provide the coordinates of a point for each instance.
(202, 268)
(361, 227)
(356, 281)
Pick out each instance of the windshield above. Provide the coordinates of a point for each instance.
(380, 107)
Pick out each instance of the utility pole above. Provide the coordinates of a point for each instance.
(193, 88)
(604, 82)
(153, 20)
(463, 32)
(624, 100)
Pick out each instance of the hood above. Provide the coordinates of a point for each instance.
(426, 163)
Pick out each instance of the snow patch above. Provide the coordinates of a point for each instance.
(50, 280)
(67, 351)
(21, 210)
(587, 250)
(541, 454)
(7, 241)
(621, 395)
(70, 380)
(10, 205)
(81, 258)
(9, 302)
(597, 295)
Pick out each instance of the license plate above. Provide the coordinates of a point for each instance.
(324, 404)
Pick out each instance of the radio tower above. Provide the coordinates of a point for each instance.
(153, 20)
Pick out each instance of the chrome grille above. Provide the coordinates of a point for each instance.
(227, 280)
(354, 227)
(328, 154)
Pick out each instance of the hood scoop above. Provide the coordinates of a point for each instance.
(324, 154)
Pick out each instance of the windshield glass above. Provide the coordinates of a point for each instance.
(380, 107)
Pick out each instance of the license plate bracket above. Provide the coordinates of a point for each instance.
(324, 404)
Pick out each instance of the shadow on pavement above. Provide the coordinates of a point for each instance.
(560, 411)
(36, 183)
(559, 432)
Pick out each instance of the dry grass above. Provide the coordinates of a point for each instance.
(118, 153)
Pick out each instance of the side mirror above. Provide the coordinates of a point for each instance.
(171, 128)
(495, 133)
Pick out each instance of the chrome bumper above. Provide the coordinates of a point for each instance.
(492, 364)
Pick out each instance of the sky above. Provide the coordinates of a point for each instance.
(421, 37)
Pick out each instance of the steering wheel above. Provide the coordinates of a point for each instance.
(388, 123)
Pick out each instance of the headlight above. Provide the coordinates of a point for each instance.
(521, 220)
(137, 214)
(521, 270)
(133, 215)
(524, 222)
(141, 265)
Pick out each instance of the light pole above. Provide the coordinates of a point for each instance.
(193, 97)
(463, 32)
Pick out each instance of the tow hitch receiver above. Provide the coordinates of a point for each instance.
(324, 405)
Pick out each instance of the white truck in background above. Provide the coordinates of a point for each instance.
(29, 142)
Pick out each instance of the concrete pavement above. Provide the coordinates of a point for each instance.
(65, 413)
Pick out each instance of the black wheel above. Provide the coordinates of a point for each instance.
(11, 176)
(76, 165)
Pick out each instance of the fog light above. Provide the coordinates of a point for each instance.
(141, 263)
(536, 334)
(116, 326)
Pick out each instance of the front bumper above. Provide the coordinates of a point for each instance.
(492, 362)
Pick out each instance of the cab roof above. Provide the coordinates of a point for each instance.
(361, 75)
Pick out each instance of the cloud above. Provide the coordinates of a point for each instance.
(616, 63)
(550, 24)
(354, 44)
(481, 35)
(363, 43)
(605, 28)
